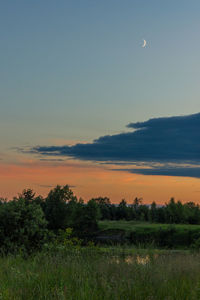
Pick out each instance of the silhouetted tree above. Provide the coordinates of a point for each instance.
(56, 206)
(85, 218)
(104, 205)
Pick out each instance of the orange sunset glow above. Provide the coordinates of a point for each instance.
(92, 181)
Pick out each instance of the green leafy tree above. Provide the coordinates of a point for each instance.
(137, 202)
(29, 196)
(22, 226)
(122, 210)
(153, 212)
(56, 207)
(85, 219)
(104, 206)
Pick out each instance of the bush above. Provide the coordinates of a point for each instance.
(165, 237)
(22, 226)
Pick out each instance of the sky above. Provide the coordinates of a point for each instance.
(83, 103)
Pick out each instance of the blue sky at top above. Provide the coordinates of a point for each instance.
(76, 69)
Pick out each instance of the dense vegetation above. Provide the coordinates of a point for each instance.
(28, 222)
(57, 255)
(171, 213)
(86, 274)
(145, 234)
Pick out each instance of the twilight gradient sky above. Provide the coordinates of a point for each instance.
(74, 71)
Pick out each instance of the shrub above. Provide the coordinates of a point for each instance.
(22, 226)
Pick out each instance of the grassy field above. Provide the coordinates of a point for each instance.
(93, 274)
(96, 273)
(182, 236)
(129, 226)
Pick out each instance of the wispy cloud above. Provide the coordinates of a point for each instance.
(52, 159)
(53, 185)
(158, 140)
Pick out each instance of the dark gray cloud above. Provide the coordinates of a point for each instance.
(45, 185)
(180, 172)
(171, 139)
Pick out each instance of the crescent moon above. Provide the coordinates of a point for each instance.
(144, 43)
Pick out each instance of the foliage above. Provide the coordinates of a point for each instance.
(66, 239)
(171, 213)
(22, 226)
(56, 207)
(96, 276)
(85, 219)
(27, 221)
(104, 205)
(160, 235)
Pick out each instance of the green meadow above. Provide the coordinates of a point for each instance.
(128, 226)
(145, 234)
(101, 274)
(59, 248)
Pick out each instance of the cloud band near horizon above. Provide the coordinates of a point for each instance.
(163, 140)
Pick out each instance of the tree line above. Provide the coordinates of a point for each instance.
(28, 221)
(173, 212)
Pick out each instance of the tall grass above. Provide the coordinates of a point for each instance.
(89, 275)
